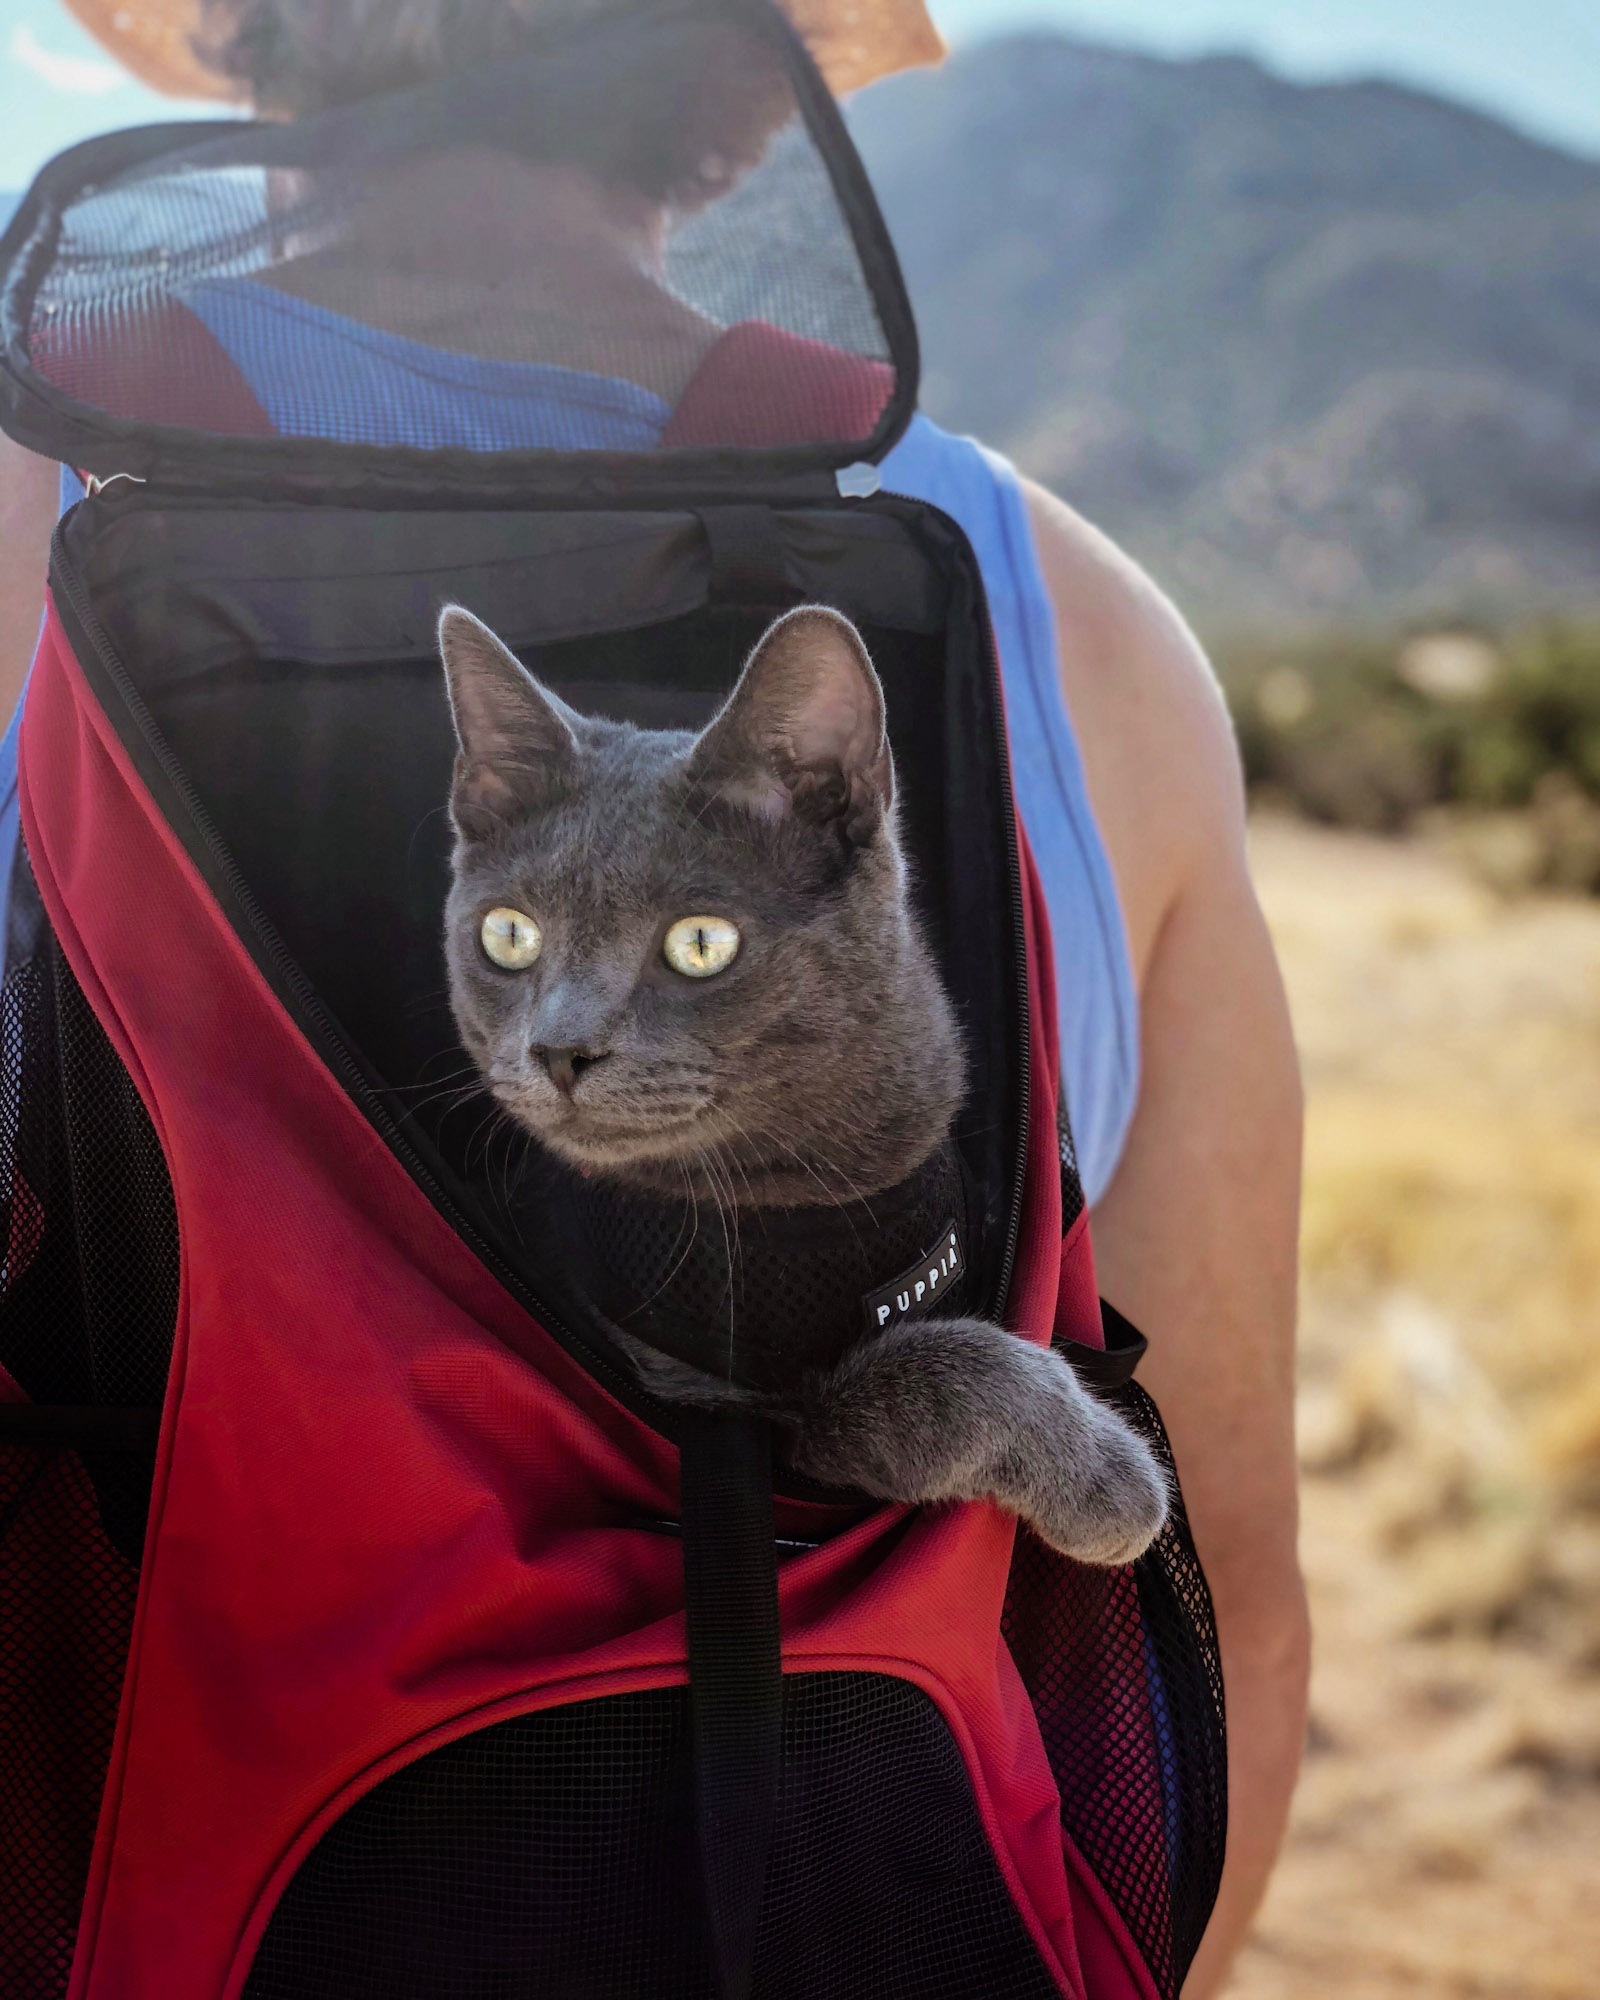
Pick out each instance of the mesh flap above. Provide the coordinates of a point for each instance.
(640, 237)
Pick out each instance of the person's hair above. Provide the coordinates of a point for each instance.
(678, 116)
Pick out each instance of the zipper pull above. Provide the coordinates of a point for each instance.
(859, 481)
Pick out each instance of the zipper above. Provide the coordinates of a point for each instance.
(1019, 931)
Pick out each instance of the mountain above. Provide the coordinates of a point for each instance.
(1312, 353)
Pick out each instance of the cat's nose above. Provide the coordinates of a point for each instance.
(567, 1065)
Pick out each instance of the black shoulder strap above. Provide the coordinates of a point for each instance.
(735, 1674)
(1111, 1366)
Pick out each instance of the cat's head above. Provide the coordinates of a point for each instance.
(689, 961)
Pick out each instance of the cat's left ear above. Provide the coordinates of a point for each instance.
(516, 738)
(804, 730)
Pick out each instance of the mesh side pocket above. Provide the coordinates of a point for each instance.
(66, 1615)
(88, 1301)
(90, 1268)
(1124, 1674)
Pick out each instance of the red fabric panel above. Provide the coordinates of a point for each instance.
(1075, 1314)
(11, 1390)
(1078, 1290)
(1034, 1283)
(388, 1507)
(1109, 1958)
(760, 387)
(160, 365)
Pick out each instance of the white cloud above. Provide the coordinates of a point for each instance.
(79, 76)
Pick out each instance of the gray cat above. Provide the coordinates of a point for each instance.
(688, 964)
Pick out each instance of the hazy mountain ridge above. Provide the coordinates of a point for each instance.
(1313, 352)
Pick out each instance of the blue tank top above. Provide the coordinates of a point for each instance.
(1096, 997)
(397, 391)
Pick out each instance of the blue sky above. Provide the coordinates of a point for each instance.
(1536, 62)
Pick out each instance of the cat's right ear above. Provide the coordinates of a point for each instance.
(516, 738)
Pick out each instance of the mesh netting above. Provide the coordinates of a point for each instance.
(88, 1298)
(555, 1854)
(66, 1613)
(777, 1291)
(1072, 1197)
(1124, 1675)
(623, 238)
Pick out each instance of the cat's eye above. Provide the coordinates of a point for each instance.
(700, 946)
(511, 940)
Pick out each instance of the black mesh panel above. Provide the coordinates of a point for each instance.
(66, 1612)
(622, 236)
(1125, 1678)
(784, 1291)
(1072, 1200)
(88, 1298)
(554, 1856)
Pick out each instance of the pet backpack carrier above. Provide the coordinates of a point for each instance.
(366, 1632)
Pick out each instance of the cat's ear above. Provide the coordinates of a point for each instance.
(516, 738)
(804, 730)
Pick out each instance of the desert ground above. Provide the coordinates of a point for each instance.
(1446, 1836)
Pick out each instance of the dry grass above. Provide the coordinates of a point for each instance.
(1446, 1838)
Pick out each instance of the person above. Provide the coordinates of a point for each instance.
(1178, 1060)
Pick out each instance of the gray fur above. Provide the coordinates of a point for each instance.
(823, 1065)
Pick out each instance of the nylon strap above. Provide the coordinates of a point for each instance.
(730, 1572)
(67, 1427)
(747, 565)
(1111, 1366)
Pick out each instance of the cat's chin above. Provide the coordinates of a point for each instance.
(720, 1173)
(650, 1158)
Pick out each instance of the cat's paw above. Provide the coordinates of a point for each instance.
(1095, 1490)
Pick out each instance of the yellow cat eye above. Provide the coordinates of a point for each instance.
(510, 940)
(700, 946)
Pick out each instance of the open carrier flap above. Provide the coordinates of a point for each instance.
(405, 1495)
(661, 267)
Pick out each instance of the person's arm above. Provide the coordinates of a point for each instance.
(1195, 1240)
(29, 498)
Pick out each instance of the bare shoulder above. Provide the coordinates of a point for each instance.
(29, 497)
(1158, 747)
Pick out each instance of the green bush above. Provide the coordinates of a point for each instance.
(1372, 733)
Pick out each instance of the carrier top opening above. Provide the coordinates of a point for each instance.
(642, 252)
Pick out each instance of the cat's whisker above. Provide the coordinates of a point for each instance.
(688, 1243)
(436, 1002)
(705, 1155)
(438, 812)
(485, 1130)
(435, 1082)
(458, 1093)
(806, 1166)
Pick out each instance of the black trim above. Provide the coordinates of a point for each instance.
(71, 1426)
(315, 470)
(730, 1573)
(1018, 920)
(1111, 1366)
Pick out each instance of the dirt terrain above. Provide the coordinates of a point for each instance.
(1446, 1837)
